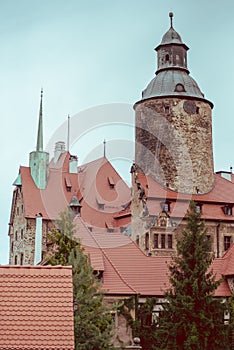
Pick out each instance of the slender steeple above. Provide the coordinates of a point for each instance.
(40, 128)
(104, 148)
(39, 160)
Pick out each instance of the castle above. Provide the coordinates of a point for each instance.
(173, 165)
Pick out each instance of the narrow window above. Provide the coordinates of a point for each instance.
(16, 260)
(167, 110)
(12, 247)
(169, 241)
(21, 259)
(155, 240)
(22, 233)
(163, 241)
(147, 241)
(137, 240)
(227, 242)
(167, 57)
(16, 235)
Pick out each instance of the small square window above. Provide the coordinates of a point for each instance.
(198, 208)
(227, 209)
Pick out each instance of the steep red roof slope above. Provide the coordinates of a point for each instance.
(127, 270)
(99, 188)
(36, 308)
(221, 194)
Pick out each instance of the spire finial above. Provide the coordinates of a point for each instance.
(171, 18)
(104, 148)
(40, 127)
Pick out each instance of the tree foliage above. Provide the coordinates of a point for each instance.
(192, 318)
(92, 319)
(143, 326)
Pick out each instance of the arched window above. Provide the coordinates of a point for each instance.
(167, 58)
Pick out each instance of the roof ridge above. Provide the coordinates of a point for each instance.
(31, 267)
(114, 267)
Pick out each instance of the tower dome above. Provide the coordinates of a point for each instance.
(171, 36)
(172, 75)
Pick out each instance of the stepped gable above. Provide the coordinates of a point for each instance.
(36, 308)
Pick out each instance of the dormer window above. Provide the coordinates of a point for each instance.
(227, 209)
(109, 228)
(68, 184)
(198, 208)
(179, 88)
(111, 182)
(165, 206)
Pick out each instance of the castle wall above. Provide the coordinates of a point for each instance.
(174, 143)
(22, 233)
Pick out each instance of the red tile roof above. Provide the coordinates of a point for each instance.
(36, 308)
(91, 185)
(221, 194)
(127, 270)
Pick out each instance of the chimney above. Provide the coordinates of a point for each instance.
(59, 149)
(73, 163)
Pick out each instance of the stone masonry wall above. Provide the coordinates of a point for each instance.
(173, 146)
(22, 233)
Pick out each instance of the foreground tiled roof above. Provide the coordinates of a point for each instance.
(91, 185)
(36, 308)
(127, 270)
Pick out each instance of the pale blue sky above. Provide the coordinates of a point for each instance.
(89, 53)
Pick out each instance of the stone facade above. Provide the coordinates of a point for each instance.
(174, 143)
(157, 234)
(22, 233)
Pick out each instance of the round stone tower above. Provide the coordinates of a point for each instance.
(174, 123)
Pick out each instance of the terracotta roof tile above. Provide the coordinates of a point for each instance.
(36, 308)
(91, 184)
(127, 270)
(221, 194)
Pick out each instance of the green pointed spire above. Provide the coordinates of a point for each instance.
(39, 160)
(40, 128)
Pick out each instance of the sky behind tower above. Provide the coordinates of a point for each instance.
(89, 53)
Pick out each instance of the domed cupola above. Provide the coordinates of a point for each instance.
(172, 75)
(172, 52)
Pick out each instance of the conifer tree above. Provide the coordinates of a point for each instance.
(192, 318)
(92, 319)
